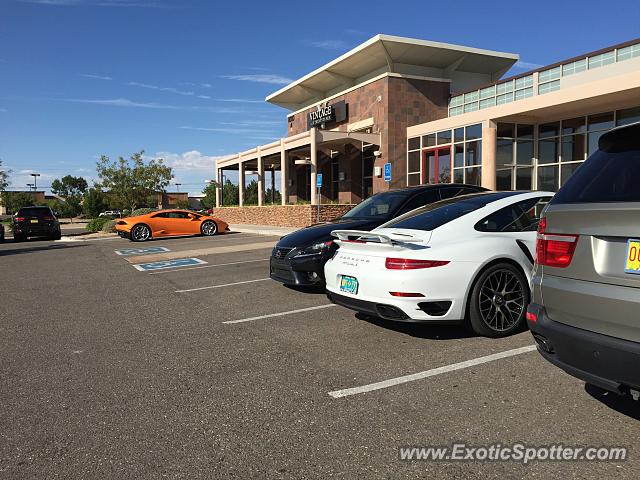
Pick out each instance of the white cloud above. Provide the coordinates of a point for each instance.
(97, 77)
(261, 78)
(125, 102)
(239, 130)
(330, 44)
(527, 65)
(122, 102)
(161, 89)
(187, 161)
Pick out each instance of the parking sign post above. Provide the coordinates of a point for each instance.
(387, 172)
(318, 186)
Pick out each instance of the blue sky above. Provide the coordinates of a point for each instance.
(185, 80)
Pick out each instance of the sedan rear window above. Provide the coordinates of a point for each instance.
(610, 174)
(437, 214)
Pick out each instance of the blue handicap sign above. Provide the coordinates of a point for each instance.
(175, 263)
(387, 172)
(141, 251)
(319, 180)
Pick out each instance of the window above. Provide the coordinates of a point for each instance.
(419, 200)
(606, 176)
(471, 97)
(456, 101)
(630, 115)
(473, 132)
(506, 98)
(523, 82)
(429, 140)
(524, 93)
(414, 143)
(520, 217)
(379, 205)
(487, 102)
(574, 67)
(602, 60)
(514, 156)
(548, 75)
(178, 215)
(548, 87)
(628, 52)
(504, 87)
(488, 92)
(443, 137)
(437, 214)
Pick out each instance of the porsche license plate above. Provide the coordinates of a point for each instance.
(348, 284)
(632, 263)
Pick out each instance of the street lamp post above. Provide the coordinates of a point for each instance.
(35, 181)
(29, 186)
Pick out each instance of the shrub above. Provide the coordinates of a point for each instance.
(96, 224)
(142, 211)
(109, 226)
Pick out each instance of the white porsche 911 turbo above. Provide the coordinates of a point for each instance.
(464, 259)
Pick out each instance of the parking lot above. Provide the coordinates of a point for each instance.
(143, 364)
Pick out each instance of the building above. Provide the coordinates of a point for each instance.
(437, 112)
(350, 117)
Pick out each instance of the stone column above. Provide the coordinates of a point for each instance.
(260, 179)
(314, 166)
(489, 147)
(241, 183)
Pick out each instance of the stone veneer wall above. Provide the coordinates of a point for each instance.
(280, 215)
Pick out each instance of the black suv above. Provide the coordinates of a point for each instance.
(299, 257)
(35, 222)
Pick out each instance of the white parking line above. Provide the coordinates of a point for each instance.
(290, 312)
(220, 286)
(209, 266)
(392, 382)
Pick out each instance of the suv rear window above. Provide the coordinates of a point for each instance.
(38, 212)
(610, 174)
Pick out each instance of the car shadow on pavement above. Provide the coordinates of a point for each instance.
(307, 289)
(623, 404)
(420, 330)
(39, 248)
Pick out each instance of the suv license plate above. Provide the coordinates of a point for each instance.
(632, 263)
(349, 284)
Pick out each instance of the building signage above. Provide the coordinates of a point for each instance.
(326, 114)
(319, 180)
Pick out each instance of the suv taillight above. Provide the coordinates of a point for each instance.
(554, 250)
(19, 219)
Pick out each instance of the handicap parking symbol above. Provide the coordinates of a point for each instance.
(141, 251)
(161, 265)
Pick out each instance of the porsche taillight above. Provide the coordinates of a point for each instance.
(412, 264)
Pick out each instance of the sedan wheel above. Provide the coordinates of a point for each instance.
(209, 228)
(499, 301)
(140, 233)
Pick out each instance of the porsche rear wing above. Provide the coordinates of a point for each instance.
(373, 237)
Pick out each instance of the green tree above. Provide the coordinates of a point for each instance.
(14, 201)
(209, 199)
(132, 183)
(72, 189)
(183, 204)
(4, 177)
(229, 194)
(94, 202)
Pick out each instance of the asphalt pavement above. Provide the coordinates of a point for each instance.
(113, 366)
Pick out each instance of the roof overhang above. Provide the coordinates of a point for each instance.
(385, 53)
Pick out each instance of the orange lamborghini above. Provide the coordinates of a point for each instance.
(168, 223)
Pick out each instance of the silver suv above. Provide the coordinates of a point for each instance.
(585, 310)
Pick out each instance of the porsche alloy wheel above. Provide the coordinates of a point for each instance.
(140, 233)
(209, 228)
(499, 301)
